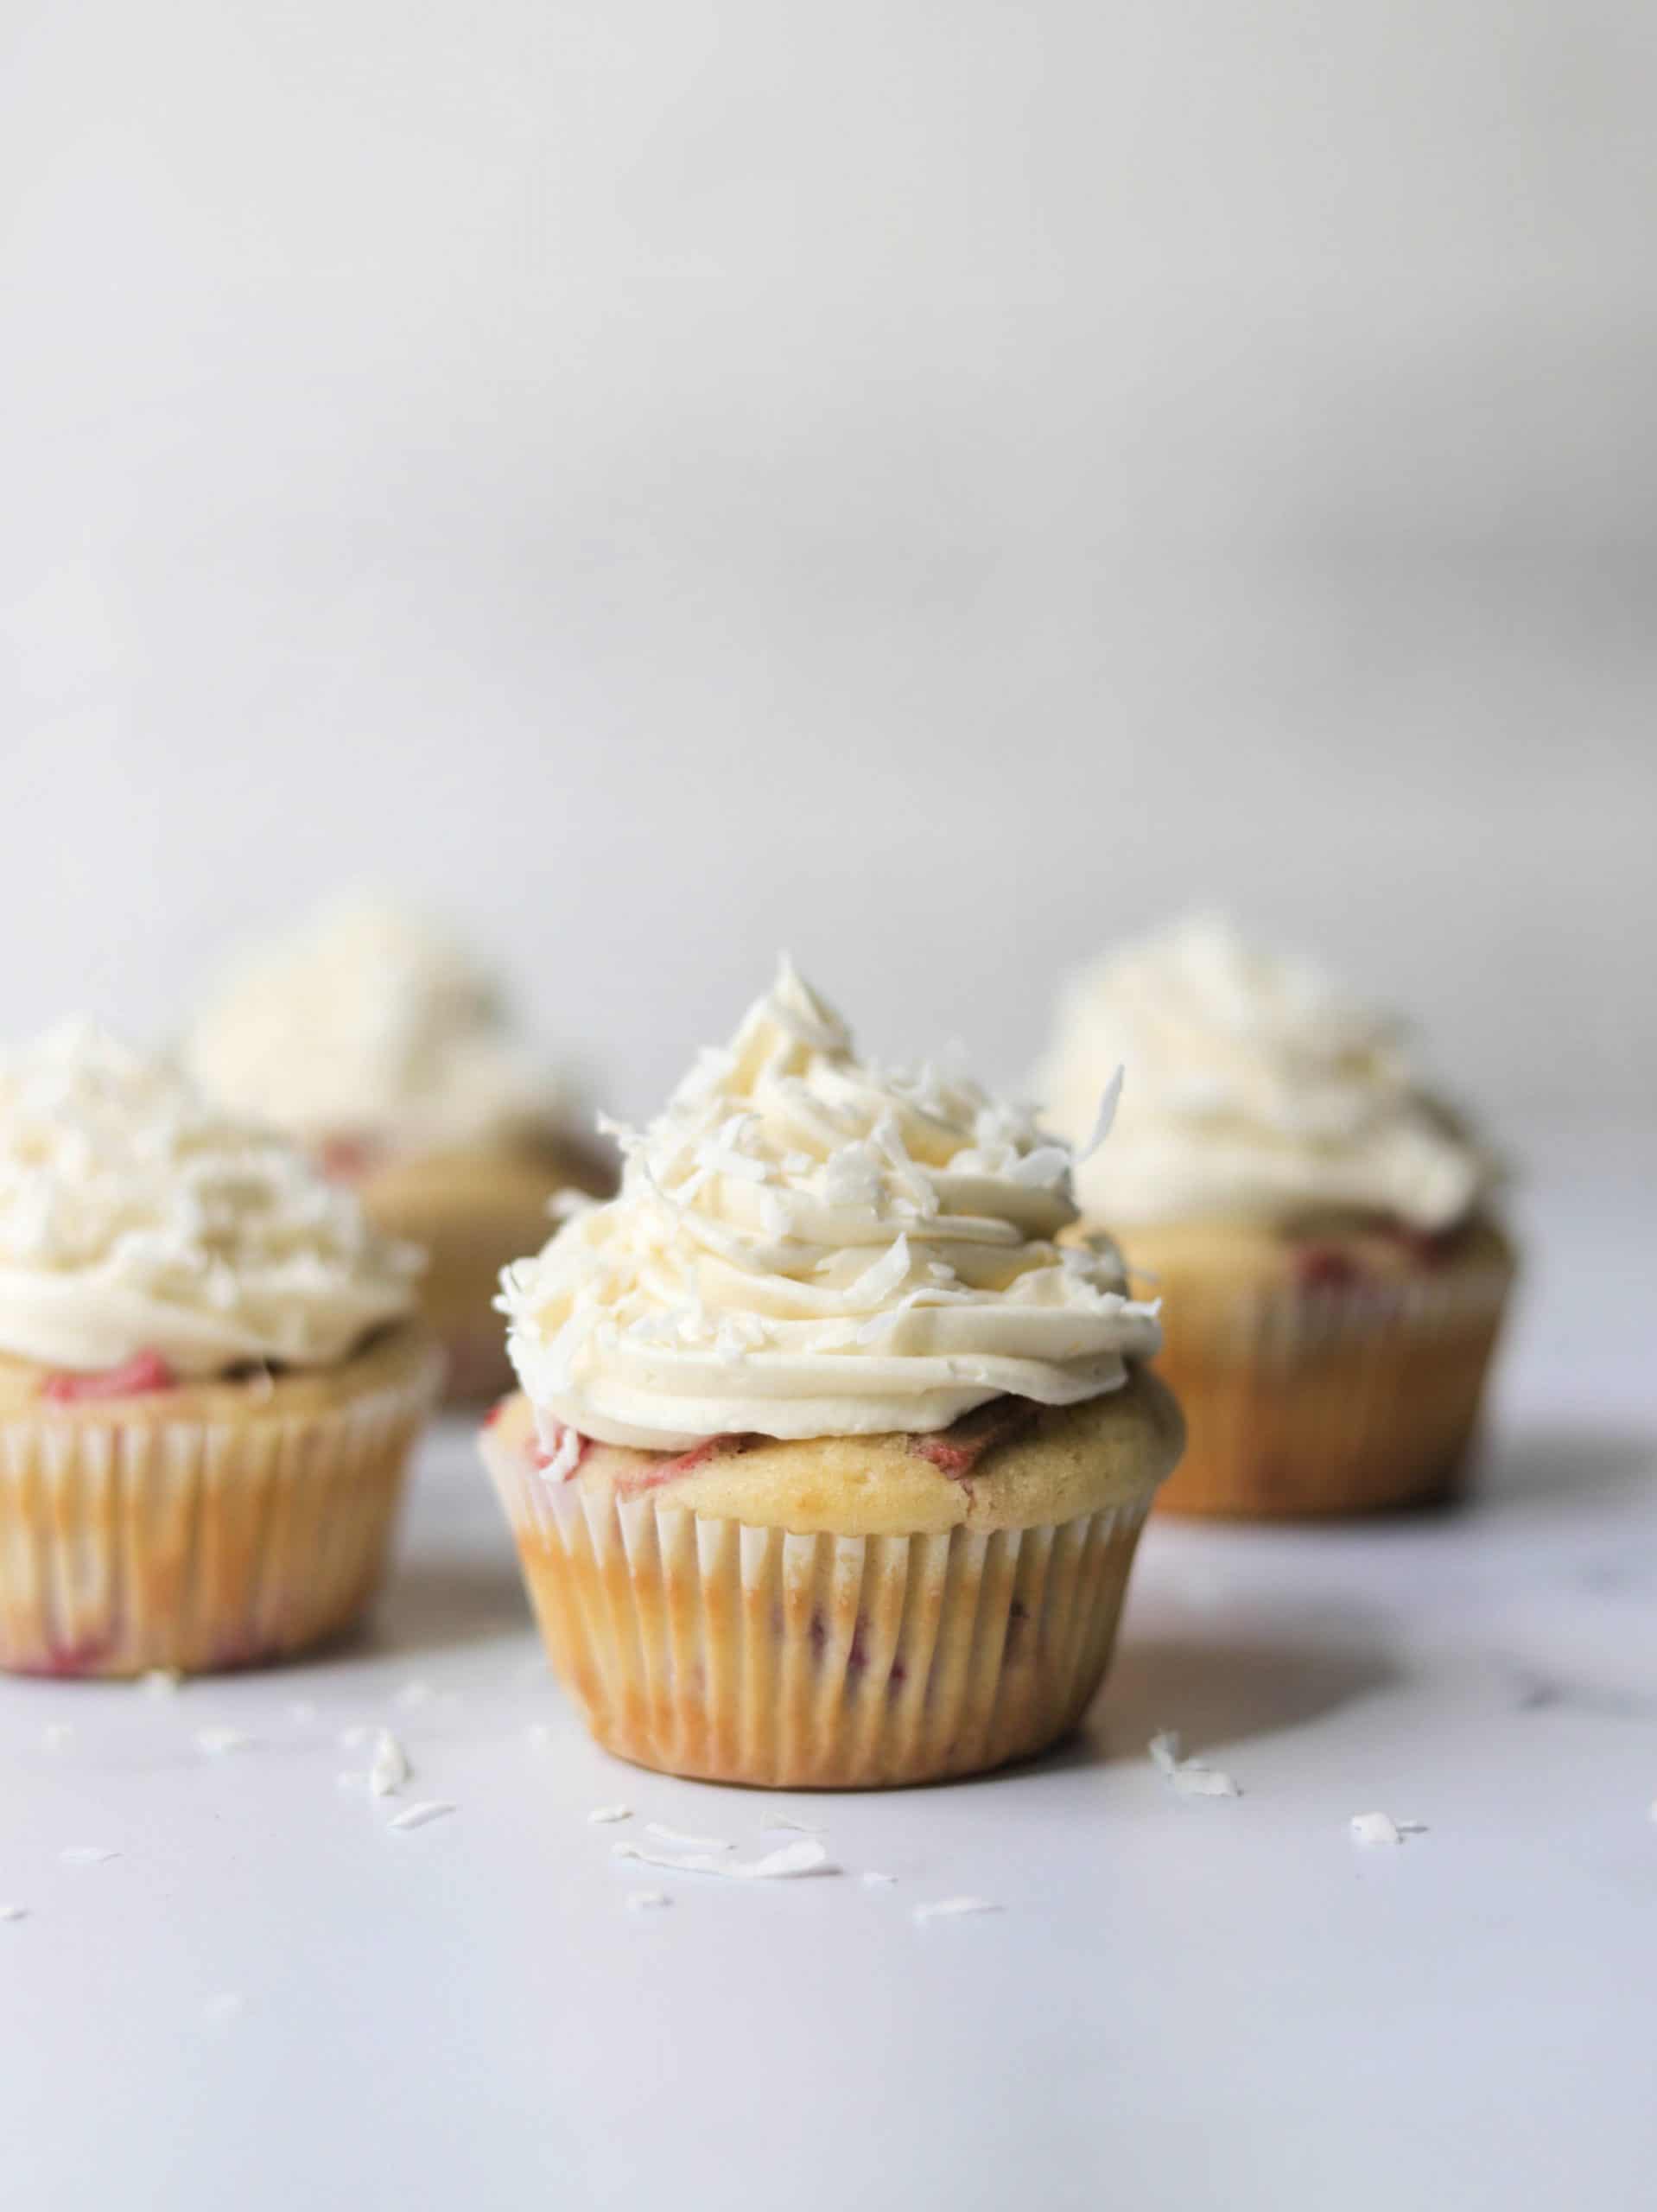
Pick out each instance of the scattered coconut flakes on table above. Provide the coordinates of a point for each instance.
(806, 1857)
(951, 1909)
(1381, 1827)
(390, 1768)
(601, 1815)
(161, 1681)
(85, 1854)
(14, 1912)
(57, 1736)
(217, 1741)
(1190, 1777)
(875, 1881)
(647, 1900)
(681, 1841)
(416, 1816)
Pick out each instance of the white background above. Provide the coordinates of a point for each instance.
(937, 484)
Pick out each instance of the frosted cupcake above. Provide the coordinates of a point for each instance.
(1318, 1225)
(830, 1463)
(380, 1047)
(210, 1378)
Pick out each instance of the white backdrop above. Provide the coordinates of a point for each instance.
(937, 484)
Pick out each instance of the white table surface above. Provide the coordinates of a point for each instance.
(1181, 2004)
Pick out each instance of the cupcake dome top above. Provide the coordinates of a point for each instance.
(366, 1023)
(136, 1217)
(1254, 1088)
(804, 1245)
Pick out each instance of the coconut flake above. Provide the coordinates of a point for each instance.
(215, 1742)
(389, 1768)
(792, 1827)
(57, 1736)
(873, 1880)
(354, 1738)
(681, 1841)
(806, 1857)
(1380, 1827)
(537, 1735)
(1109, 1099)
(301, 1711)
(647, 1900)
(85, 1854)
(950, 1909)
(161, 1681)
(14, 1912)
(416, 1816)
(602, 1815)
(413, 1694)
(1190, 1777)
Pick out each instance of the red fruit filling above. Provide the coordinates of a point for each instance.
(495, 1412)
(146, 1371)
(1324, 1267)
(956, 1451)
(347, 1159)
(667, 1469)
(541, 1459)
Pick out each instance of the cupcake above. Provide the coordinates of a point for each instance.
(210, 1376)
(828, 1463)
(379, 1046)
(1318, 1225)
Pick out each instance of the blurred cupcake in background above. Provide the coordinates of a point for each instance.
(211, 1376)
(1318, 1226)
(374, 1041)
(830, 1463)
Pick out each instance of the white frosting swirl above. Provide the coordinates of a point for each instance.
(1252, 1089)
(806, 1246)
(366, 1023)
(136, 1217)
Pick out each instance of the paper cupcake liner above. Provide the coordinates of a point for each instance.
(1324, 1401)
(735, 1653)
(197, 1545)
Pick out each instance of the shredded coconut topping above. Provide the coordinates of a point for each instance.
(136, 1217)
(805, 1245)
(1254, 1088)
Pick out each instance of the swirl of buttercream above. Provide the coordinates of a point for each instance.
(135, 1216)
(804, 1245)
(1254, 1089)
(366, 1022)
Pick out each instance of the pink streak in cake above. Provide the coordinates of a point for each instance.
(956, 1451)
(146, 1371)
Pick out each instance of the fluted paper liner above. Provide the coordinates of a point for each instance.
(198, 1545)
(734, 1653)
(1326, 1401)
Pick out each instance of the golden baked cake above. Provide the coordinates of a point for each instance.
(211, 1377)
(1319, 1227)
(378, 1043)
(829, 1462)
